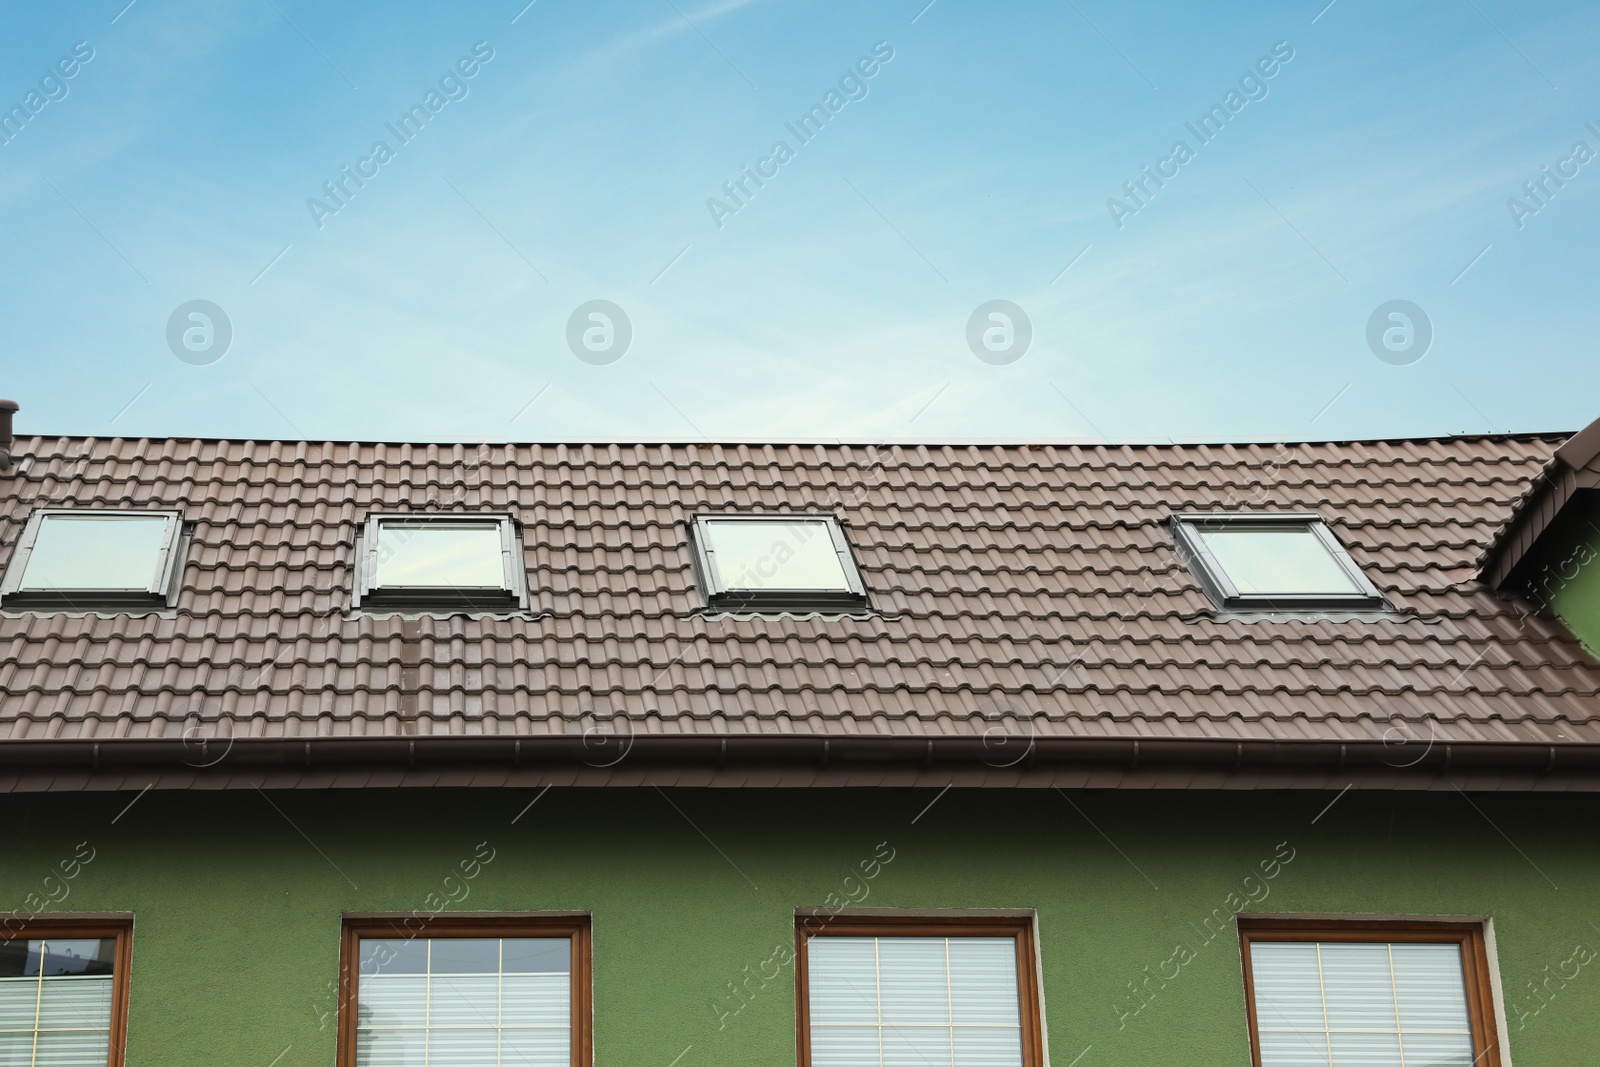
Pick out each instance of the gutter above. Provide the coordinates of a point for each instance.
(731, 759)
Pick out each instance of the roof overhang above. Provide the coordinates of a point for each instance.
(813, 761)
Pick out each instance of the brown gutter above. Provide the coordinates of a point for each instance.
(198, 762)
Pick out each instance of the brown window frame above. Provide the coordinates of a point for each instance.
(1020, 928)
(117, 928)
(1469, 936)
(406, 926)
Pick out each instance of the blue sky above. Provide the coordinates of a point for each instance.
(577, 163)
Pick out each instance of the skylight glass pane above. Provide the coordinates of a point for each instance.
(445, 555)
(1354, 1004)
(111, 552)
(775, 556)
(914, 1002)
(1276, 558)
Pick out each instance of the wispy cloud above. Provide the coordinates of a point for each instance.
(672, 26)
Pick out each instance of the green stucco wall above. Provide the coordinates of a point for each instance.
(238, 897)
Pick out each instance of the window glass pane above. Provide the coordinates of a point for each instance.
(1365, 1050)
(465, 955)
(16, 1050)
(393, 956)
(986, 969)
(95, 552)
(913, 983)
(1354, 1004)
(1267, 558)
(536, 999)
(462, 1048)
(393, 999)
(844, 1046)
(1288, 987)
(73, 1048)
(92, 956)
(916, 1046)
(534, 1048)
(844, 981)
(537, 955)
(18, 957)
(1290, 1048)
(440, 554)
(775, 555)
(390, 1048)
(19, 1000)
(914, 1002)
(1439, 1050)
(464, 1000)
(75, 1003)
(446, 1001)
(988, 1046)
(55, 1002)
(1360, 995)
(1427, 977)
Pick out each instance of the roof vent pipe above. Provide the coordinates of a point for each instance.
(7, 409)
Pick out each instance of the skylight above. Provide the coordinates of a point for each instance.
(1272, 562)
(785, 562)
(90, 559)
(448, 562)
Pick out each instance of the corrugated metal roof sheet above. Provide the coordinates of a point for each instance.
(1027, 580)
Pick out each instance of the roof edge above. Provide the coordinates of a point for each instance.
(1581, 449)
(845, 441)
(46, 765)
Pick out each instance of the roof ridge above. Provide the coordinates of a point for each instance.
(840, 442)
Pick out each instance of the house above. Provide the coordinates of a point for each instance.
(990, 754)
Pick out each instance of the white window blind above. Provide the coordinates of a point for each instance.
(914, 1002)
(1345, 1004)
(57, 1011)
(465, 1002)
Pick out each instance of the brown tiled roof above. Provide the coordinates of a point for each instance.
(1030, 589)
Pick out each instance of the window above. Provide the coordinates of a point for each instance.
(471, 992)
(88, 559)
(1342, 994)
(441, 562)
(776, 563)
(914, 992)
(1273, 562)
(63, 993)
